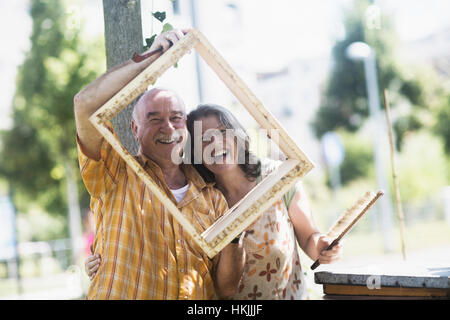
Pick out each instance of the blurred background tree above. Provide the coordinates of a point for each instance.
(344, 105)
(38, 154)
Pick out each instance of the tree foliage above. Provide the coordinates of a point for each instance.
(344, 100)
(442, 124)
(344, 105)
(358, 158)
(41, 142)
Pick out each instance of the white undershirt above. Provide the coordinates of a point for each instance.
(180, 193)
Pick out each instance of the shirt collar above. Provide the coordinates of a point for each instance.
(190, 172)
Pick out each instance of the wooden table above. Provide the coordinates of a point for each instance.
(399, 281)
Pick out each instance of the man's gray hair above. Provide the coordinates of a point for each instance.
(135, 114)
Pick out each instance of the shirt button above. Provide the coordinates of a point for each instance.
(179, 241)
(182, 270)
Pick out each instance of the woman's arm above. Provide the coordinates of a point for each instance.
(312, 242)
(228, 272)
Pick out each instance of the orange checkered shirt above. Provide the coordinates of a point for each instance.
(144, 252)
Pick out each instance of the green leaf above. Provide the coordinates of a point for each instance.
(166, 27)
(149, 42)
(160, 15)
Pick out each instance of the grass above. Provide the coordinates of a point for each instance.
(419, 236)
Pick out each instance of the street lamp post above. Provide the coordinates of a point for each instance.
(360, 51)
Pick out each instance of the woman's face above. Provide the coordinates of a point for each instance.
(219, 147)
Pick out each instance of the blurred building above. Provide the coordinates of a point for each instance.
(433, 50)
(293, 96)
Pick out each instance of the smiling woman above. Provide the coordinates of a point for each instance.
(273, 269)
(215, 118)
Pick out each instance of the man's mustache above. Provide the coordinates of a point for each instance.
(169, 138)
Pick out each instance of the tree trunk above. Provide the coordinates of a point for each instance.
(123, 37)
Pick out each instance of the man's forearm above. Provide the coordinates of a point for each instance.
(107, 85)
(98, 92)
(88, 100)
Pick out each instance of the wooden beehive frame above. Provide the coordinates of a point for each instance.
(269, 190)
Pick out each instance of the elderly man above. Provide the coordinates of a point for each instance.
(145, 253)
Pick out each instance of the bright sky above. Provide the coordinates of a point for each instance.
(316, 22)
(13, 17)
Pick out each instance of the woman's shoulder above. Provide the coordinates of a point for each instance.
(267, 167)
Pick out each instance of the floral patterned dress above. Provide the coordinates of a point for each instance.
(272, 270)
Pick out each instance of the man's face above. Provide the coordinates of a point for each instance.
(161, 127)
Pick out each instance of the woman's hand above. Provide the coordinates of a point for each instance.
(328, 256)
(91, 265)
